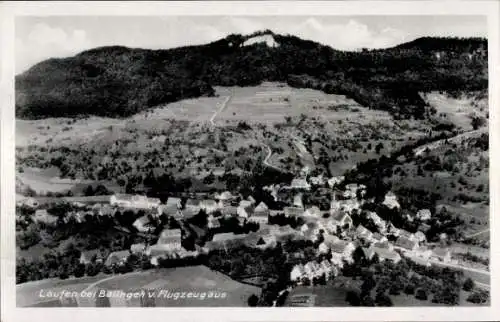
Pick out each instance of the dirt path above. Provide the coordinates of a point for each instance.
(223, 107)
(268, 156)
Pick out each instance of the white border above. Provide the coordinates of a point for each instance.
(9, 10)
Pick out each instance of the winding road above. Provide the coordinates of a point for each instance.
(222, 108)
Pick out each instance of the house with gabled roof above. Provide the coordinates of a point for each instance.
(117, 258)
(392, 230)
(245, 209)
(441, 254)
(297, 273)
(171, 238)
(142, 224)
(138, 248)
(27, 202)
(41, 215)
(386, 254)
(189, 213)
(378, 237)
(225, 241)
(391, 200)
(406, 234)
(225, 199)
(293, 211)
(89, 256)
(406, 244)
(193, 205)
(341, 219)
(212, 222)
(134, 201)
(209, 206)
(229, 211)
(343, 249)
(384, 244)
(300, 183)
(297, 200)
(363, 233)
(424, 214)
(379, 222)
(368, 253)
(318, 180)
(327, 243)
(312, 212)
(420, 237)
(334, 181)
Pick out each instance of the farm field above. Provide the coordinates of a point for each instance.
(323, 296)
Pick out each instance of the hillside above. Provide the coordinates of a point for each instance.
(119, 81)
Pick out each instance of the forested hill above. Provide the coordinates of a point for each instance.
(119, 81)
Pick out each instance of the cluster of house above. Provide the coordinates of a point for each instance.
(332, 229)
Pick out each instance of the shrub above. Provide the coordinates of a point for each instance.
(468, 285)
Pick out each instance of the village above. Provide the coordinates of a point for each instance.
(331, 231)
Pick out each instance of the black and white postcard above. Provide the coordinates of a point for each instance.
(287, 160)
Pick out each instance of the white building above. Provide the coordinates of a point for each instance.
(312, 212)
(134, 201)
(391, 201)
(424, 214)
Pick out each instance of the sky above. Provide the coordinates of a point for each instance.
(39, 38)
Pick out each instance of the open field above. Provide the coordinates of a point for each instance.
(44, 180)
(28, 294)
(457, 110)
(183, 279)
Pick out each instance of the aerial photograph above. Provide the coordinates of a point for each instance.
(252, 161)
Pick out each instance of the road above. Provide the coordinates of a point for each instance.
(478, 233)
(480, 277)
(456, 139)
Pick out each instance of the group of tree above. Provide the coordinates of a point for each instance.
(119, 81)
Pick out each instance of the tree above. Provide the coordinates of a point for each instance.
(253, 300)
(383, 300)
(352, 297)
(409, 289)
(79, 270)
(421, 294)
(367, 300)
(478, 297)
(477, 122)
(468, 285)
(89, 191)
(368, 284)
